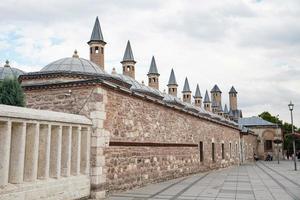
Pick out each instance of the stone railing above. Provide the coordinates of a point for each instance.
(41, 151)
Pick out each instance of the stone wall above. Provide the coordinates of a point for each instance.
(138, 131)
(249, 145)
(134, 136)
(88, 101)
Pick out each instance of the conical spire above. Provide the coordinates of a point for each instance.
(226, 109)
(153, 68)
(232, 90)
(215, 89)
(128, 55)
(206, 98)
(172, 79)
(198, 93)
(186, 87)
(97, 35)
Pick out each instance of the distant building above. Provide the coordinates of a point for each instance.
(267, 132)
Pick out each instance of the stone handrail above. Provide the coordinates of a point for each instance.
(39, 144)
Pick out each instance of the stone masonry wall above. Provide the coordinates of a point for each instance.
(249, 146)
(136, 121)
(119, 117)
(88, 101)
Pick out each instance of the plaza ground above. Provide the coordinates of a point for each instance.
(260, 180)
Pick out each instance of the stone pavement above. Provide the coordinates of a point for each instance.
(261, 181)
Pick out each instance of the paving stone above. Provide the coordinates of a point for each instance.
(260, 181)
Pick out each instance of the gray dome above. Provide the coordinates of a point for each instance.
(9, 72)
(73, 64)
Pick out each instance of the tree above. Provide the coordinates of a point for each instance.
(11, 93)
(270, 118)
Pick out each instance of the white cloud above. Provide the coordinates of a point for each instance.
(253, 45)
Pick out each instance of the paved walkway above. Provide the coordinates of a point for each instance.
(261, 181)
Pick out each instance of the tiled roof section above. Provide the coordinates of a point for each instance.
(97, 35)
(198, 93)
(226, 109)
(153, 68)
(232, 90)
(172, 79)
(254, 121)
(206, 98)
(186, 87)
(73, 64)
(128, 55)
(215, 89)
(139, 87)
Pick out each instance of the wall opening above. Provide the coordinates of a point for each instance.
(213, 152)
(223, 153)
(201, 151)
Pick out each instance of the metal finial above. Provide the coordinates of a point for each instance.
(6, 64)
(143, 83)
(75, 55)
(113, 71)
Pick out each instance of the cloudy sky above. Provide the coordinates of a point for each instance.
(251, 44)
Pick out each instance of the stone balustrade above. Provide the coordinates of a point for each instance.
(41, 145)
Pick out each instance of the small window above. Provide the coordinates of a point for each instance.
(123, 68)
(96, 49)
(173, 89)
(153, 80)
(268, 145)
(223, 153)
(230, 149)
(91, 50)
(149, 80)
(213, 152)
(236, 150)
(102, 50)
(128, 68)
(201, 151)
(170, 89)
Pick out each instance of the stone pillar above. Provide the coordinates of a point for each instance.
(99, 141)
(85, 150)
(44, 151)
(31, 152)
(66, 151)
(5, 140)
(17, 153)
(75, 159)
(55, 151)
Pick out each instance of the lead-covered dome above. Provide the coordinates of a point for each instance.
(73, 64)
(9, 72)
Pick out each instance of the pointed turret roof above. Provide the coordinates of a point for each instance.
(232, 90)
(97, 35)
(206, 98)
(215, 89)
(172, 79)
(153, 68)
(186, 87)
(128, 55)
(197, 93)
(226, 109)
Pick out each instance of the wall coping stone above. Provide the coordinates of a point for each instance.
(42, 115)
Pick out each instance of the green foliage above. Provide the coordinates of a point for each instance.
(11, 93)
(286, 129)
(270, 118)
